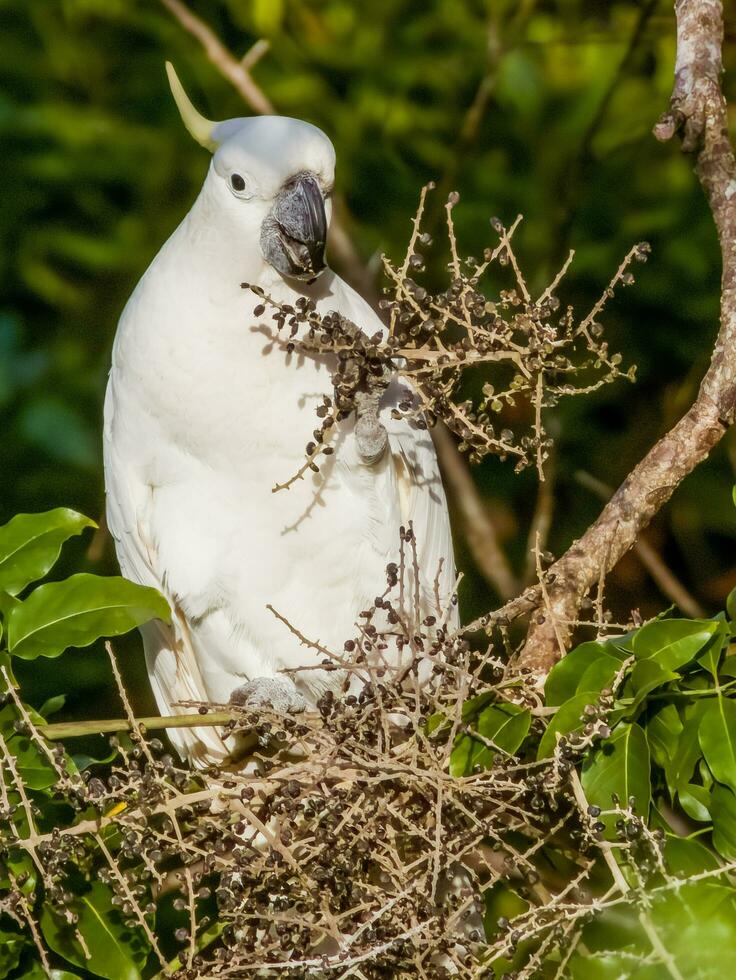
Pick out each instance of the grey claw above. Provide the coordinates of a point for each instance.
(278, 693)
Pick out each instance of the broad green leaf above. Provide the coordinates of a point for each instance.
(619, 765)
(686, 856)
(695, 801)
(688, 751)
(710, 657)
(717, 735)
(646, 676)
(728, 667)
(697, 927)
(79, 610)
(589, 667)
(673, 642)
(7, 601)
(568, 718)
(34, 767)
(602, 966)
(11, 946)
(723, 813)
(30, 545)
(470, 709)
(116, 951)
(506, 725)
(663, 731)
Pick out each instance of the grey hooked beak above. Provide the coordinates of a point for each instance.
(294, 233)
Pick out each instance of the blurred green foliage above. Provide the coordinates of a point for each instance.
(543, 108)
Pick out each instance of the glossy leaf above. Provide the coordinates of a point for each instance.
(723, 813)
(663, 730)
(589, 667)
(505, 725)
(619, 765)
(33, 765)
(568, 718)
(673, 642)
(11, 948)
(687, 856)
(646, 676)
(717, 736)
(688, 751)
(116, 951)
(695, 801)
(30, 545)
(79, 610)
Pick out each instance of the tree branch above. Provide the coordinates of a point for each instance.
(698, 113)
(480, 531)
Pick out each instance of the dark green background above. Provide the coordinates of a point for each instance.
(97, 171)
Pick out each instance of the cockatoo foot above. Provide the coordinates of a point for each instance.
(278, 693)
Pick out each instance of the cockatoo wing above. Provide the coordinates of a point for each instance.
(170, 658)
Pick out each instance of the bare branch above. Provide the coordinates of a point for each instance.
(479, 528)
(698, 114)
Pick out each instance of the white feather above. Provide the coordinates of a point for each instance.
(204, 414)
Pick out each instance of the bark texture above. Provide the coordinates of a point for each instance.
(698, 114)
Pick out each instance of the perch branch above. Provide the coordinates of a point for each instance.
(698, 113)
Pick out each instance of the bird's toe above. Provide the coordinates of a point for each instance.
(278, 693)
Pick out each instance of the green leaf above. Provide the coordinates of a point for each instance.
(116, 951)
(717, 735)
(695, 801)
(686, 856)
(589, 667)
(79, 610)
(17, 863)
(711, 656)
(688, 751)
(506, 725)
(673, 642)
(83, 761)
(52, 705)
(568, 718)
(619, 765)
(723, 814)
(663, 731)
(728, 667)
(37, 972)
(646, 676)
(34, 767)
(11, 947)
(30, 545)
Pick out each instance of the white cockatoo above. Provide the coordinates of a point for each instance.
(205, 412)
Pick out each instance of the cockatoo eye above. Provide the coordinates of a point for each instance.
(240, 186)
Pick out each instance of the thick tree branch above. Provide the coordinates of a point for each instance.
(698, 114)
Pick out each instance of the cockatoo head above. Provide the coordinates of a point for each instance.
(271, 176)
